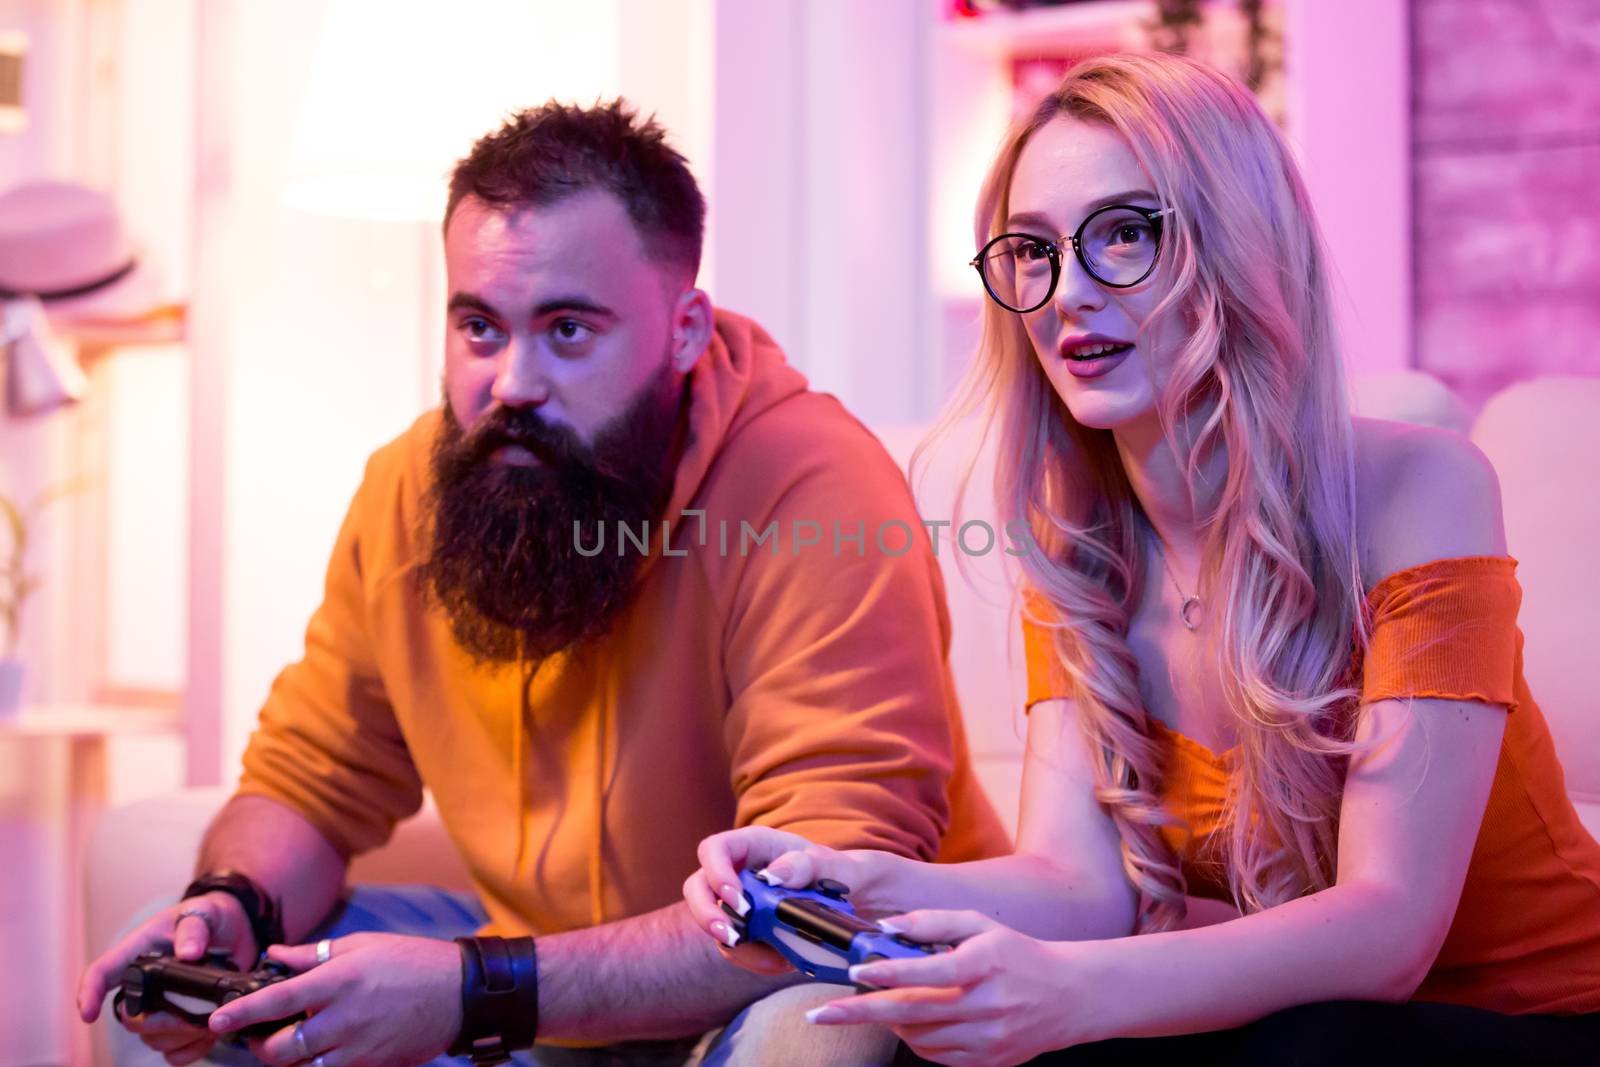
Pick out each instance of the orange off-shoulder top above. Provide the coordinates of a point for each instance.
(1526, 935)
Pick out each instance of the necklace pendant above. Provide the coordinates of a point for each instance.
(1190, 604)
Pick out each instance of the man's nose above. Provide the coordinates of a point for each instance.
(519, 381)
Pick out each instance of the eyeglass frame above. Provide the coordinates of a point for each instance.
(1151, 215)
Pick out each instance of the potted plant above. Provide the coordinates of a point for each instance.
(16, 585)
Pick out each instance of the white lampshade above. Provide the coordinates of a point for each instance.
(41, 372)
(398, 92)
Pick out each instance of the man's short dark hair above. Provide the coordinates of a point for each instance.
(548, 153)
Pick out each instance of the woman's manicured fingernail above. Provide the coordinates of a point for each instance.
(890, 928)
(735, 900)
(827, 1013)
(725, 933)
(221, 1022)
(777, 874)
(863, 972)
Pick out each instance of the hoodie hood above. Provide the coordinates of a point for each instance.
(741, 375)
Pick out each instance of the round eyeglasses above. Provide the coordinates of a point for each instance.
(1117, 245)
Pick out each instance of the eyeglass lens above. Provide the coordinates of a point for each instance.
(1117, 246)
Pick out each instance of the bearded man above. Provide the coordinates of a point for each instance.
(535, 611)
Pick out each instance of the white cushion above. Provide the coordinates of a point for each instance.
(1543, 437)
(986, 644)
(142, 851)
(1408, 396)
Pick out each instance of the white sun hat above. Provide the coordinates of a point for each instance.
(65, 244)
(65, 257)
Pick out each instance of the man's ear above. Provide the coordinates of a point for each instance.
(692, 325)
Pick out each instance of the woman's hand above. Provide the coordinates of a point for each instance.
(998, 997)
(788, 859)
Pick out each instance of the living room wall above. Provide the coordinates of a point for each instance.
(1506, 209)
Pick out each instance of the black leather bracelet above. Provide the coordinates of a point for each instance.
(263, 912)
(499, 997)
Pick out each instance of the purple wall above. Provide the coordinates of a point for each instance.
(1506, 142)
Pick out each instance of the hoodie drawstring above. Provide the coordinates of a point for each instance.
(605, 728)
(597, 856)
(519, 740)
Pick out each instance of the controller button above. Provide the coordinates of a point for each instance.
(830, 888)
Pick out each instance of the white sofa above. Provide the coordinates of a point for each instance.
(1543, 437)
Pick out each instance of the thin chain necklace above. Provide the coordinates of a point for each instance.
(1189, 606)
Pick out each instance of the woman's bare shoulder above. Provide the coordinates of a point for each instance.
(1422, 493)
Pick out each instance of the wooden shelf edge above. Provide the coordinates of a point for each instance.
(79, 719)
(165, 325)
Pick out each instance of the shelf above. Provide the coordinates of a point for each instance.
(164, 325)
(1005, 33)
(89, 720)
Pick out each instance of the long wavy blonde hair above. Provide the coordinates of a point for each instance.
(1258, 377)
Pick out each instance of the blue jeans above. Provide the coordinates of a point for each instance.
(772, 1031)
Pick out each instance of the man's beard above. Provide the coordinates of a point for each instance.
(501, 543)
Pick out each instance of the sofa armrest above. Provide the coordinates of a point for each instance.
(143, 850)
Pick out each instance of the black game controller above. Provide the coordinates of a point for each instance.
(193, 989)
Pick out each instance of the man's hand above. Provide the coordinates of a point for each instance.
(188, 929)
(380, 999)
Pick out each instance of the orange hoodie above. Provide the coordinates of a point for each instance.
(796, 685)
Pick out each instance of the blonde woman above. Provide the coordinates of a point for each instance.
(1278, 727)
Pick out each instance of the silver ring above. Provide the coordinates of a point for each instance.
(300, 1041)
(198, 913)
(325, 950)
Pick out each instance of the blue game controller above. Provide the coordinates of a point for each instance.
(816, 929)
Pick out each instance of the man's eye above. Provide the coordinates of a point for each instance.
(571, 331)
(478, 329)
